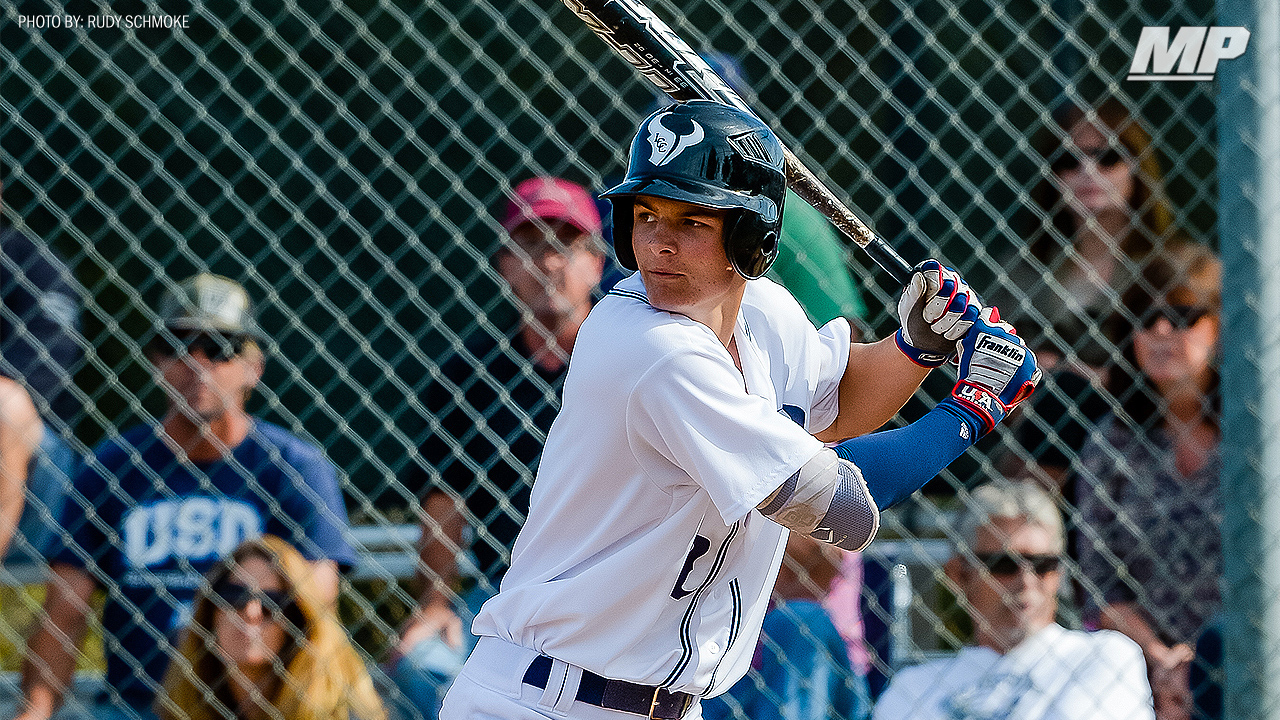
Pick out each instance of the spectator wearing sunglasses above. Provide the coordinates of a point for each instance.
(1006, 570)
(263, 643)
(1151, 512)
(159, 504)
(1099, 212)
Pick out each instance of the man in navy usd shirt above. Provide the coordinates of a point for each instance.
(157, 506)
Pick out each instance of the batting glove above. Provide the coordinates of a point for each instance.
(936, 309)
(997, 371)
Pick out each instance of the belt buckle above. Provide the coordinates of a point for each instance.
(653, 704)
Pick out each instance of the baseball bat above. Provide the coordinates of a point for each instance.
(648, 43)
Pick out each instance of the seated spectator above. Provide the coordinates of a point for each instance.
(1005, 568)
(263, 644)
(1151, 512)
(802, 669)
(552, 261)
(39, 324)
(1100, 212)
(39, 349)
(20, 435)
(158, 505)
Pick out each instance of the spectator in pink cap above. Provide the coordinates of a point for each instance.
(553, 263)
(551, 259)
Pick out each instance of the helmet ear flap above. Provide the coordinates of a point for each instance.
(623, 220)
(750, 242)
(769, 247)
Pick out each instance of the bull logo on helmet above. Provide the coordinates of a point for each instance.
(666, 145)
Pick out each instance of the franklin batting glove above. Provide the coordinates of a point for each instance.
(997, 371)
(936, 309)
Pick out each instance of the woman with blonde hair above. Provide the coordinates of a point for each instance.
(261, 644)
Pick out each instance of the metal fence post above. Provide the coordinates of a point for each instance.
(1249, 162)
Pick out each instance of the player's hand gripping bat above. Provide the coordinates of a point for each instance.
(645, 41)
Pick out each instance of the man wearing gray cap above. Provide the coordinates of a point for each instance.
(158, 505)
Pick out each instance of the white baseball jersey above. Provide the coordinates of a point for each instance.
(643, 557)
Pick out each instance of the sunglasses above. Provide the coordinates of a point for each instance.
(536, 244)
(237, 597)
(1104, 157)
(1006, 564)
(1180, 317)
(217, 349)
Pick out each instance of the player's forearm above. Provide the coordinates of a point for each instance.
(876, 384)
(997, 372)
(896, 463)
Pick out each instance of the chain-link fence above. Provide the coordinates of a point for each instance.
(350, 164)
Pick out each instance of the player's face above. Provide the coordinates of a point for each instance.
(207, 377)
(250, 634)
(680, 251)
(1009, 606)
(552, 271)
(1095, 172)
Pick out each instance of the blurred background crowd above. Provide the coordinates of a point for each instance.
(289, 297)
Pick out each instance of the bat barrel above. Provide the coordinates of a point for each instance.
(804, 183)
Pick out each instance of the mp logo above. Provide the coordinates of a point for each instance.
(1196, 51)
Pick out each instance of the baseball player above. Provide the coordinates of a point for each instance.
(690, 440)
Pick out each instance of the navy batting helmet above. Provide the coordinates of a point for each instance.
(711, 155)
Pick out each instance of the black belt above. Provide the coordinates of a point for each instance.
(652, 702)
